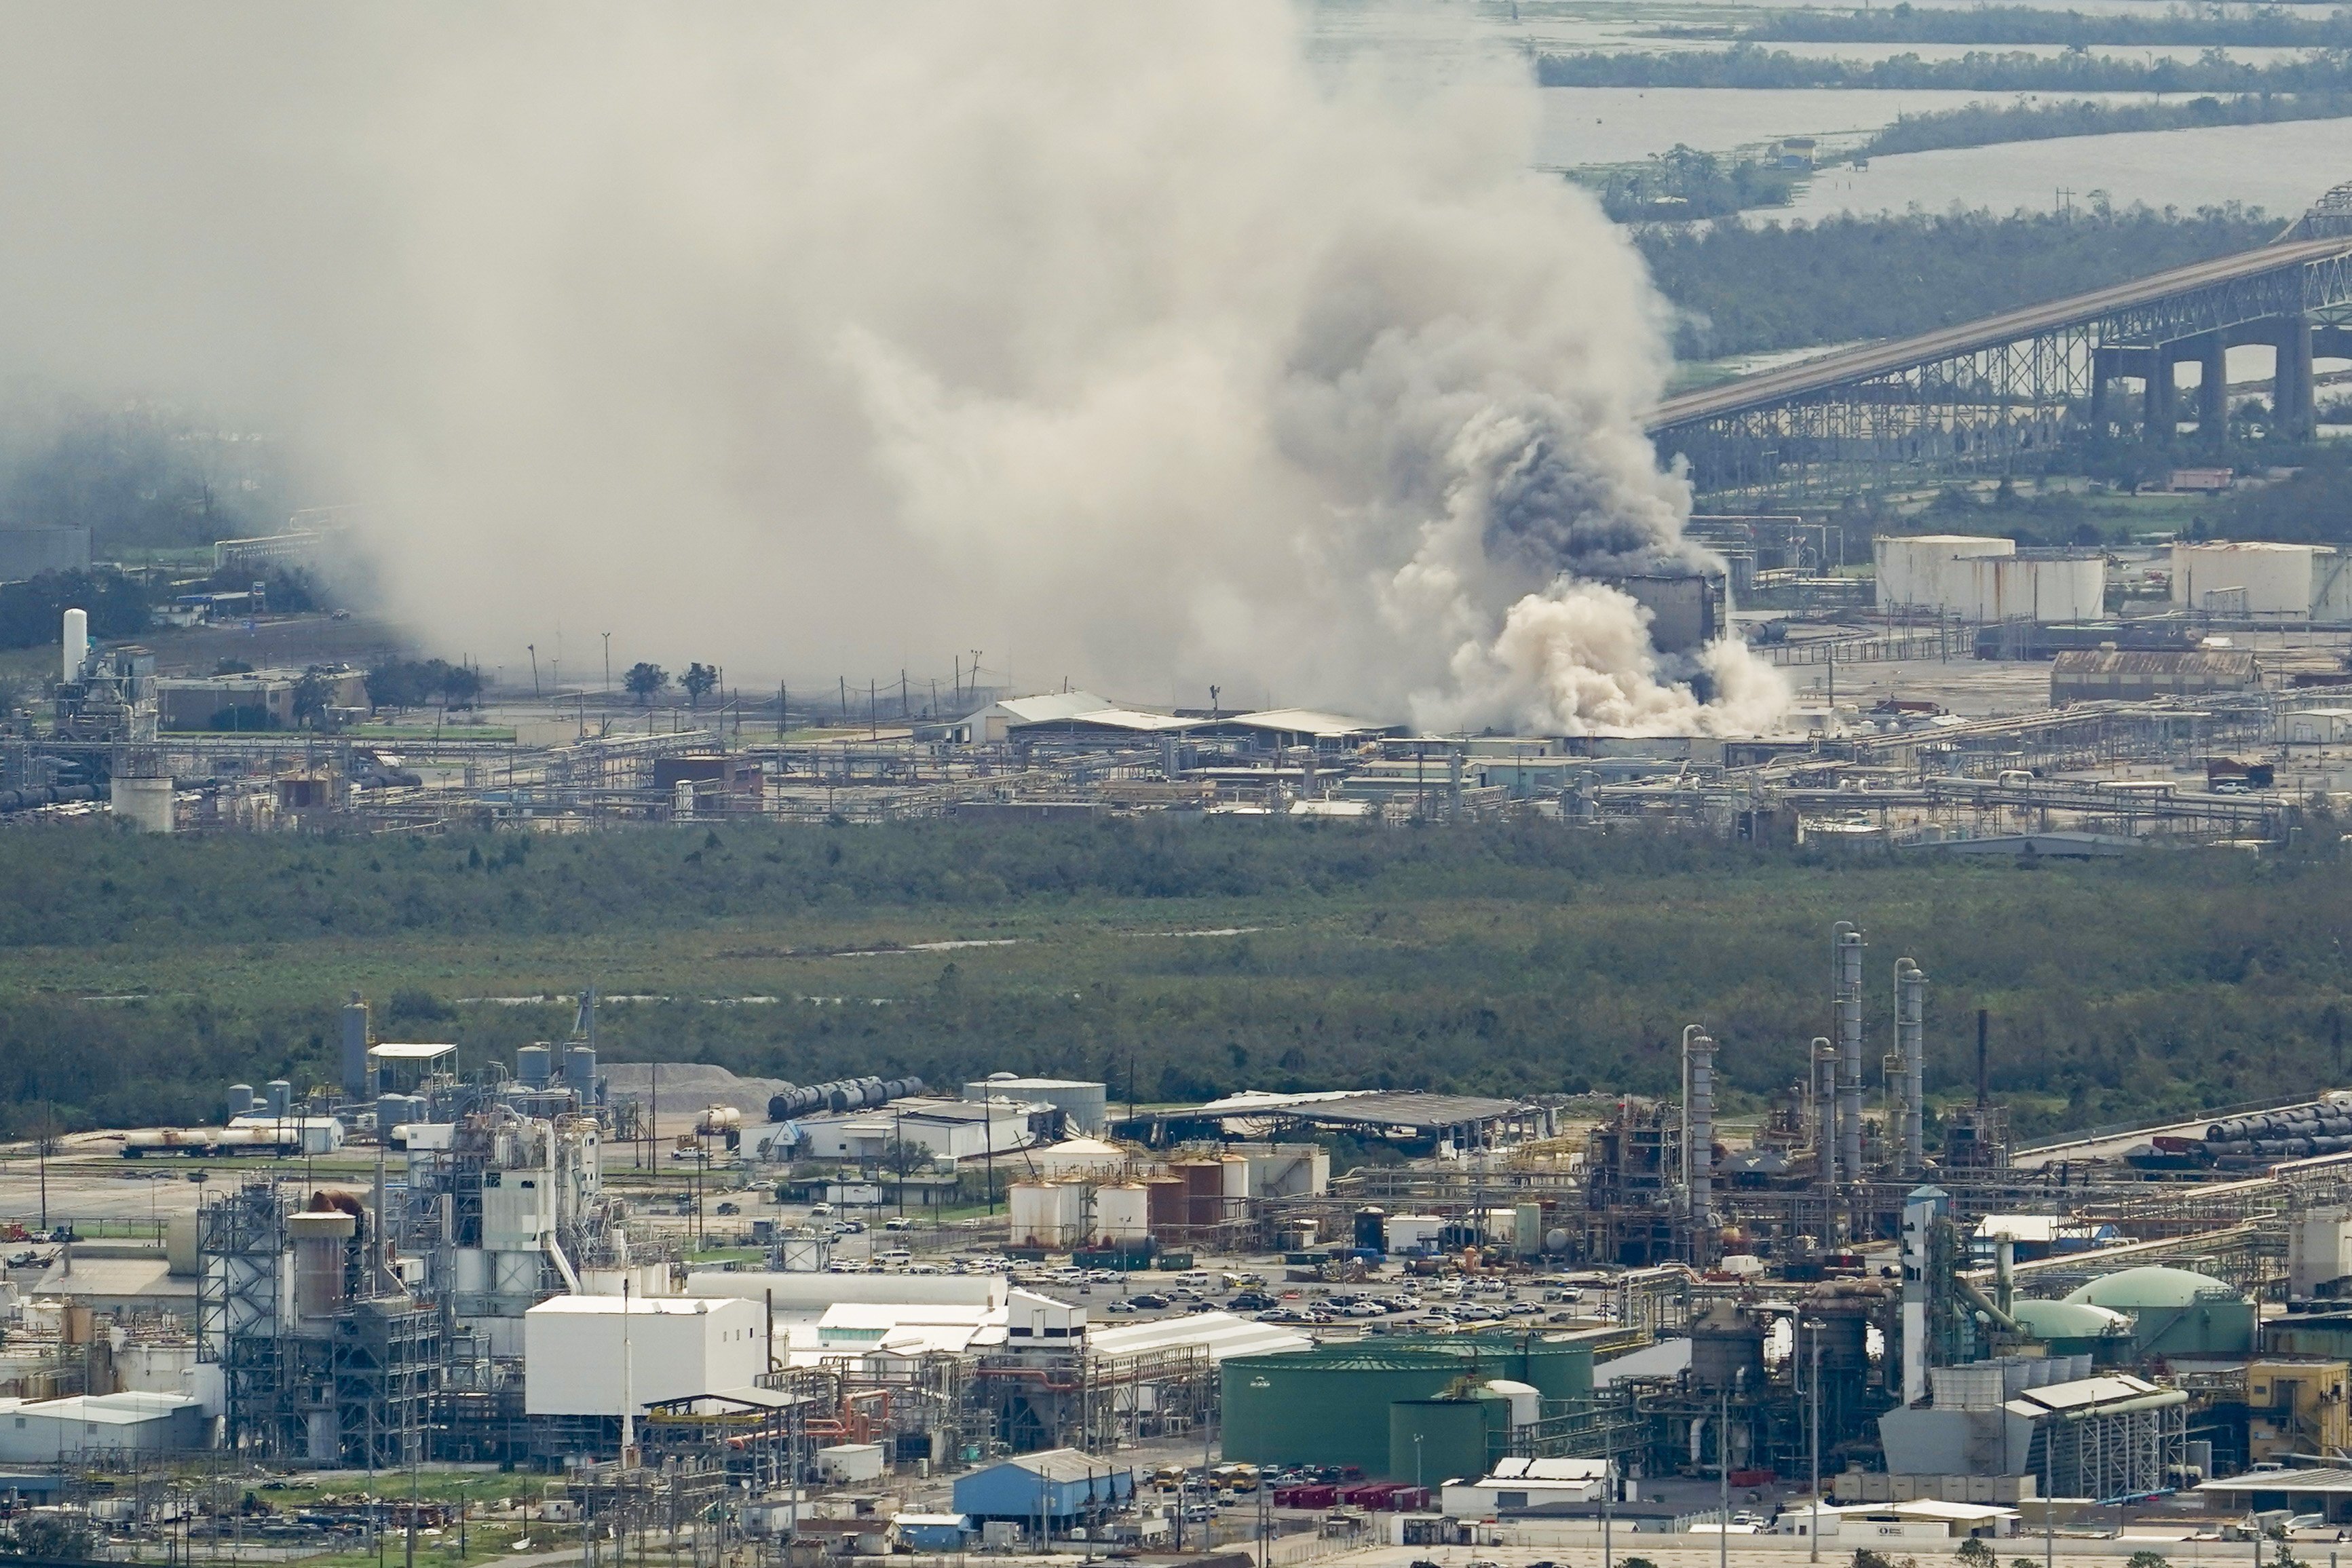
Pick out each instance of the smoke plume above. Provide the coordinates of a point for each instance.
(811, 341)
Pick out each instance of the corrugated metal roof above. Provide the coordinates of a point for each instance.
(1220, 1335)
(2220, 662)
(1407, 1110)
(2311, 1481)
(1064, 1465)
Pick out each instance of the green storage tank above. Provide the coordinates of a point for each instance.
(1557, 1368)
(1325, 1407)
(1432, 1442)
(2175, 1311)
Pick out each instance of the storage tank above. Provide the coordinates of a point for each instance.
(1525, 1402)
(2276, 579)
(2175, 1311)
(532, 1065)
(1556, 1368)
(1324, 1406)
(1432, 1442)
(280, 1098)
(240, 1099)
(580, 1071)
(1923, 570)
(1047, 1214)
(74, 644)
(1123, 1213)
(1165, 1195)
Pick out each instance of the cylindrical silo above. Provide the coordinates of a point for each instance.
(532, 1065)
(1123, 1214)
(240, 1098)
(1432, 1442)
(75, 644)
(280, 1097)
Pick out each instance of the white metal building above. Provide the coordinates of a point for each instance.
(1084, 1105)
(952, 1129)
(1973, 577)
(32, 1431)
(577, 1357)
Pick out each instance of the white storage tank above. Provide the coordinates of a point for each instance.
(1122, 1213)
(1918, 568)
(2264, 580)
(1047, 1214)
(1525, 1400)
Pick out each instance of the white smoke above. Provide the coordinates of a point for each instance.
(812, 340)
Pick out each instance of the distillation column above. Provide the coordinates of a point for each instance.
(1698, 1123)
(1910, 1061)
(1846, 974)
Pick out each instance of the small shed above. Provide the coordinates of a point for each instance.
(934, 1532)
(1058, 1485)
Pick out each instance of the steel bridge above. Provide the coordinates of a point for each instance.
(1995, 395)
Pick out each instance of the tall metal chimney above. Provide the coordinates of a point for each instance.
(1910, 1060)
(1846, 972)
(355, 1049)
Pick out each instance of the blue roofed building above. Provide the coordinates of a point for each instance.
(1063, 1485)
(933, 1532)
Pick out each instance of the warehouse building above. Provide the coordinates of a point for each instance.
(1059, 1486)
(1084, 1105)
(2109, 675)
(49, 1429)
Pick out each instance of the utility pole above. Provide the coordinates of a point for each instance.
(608, 663)
(533, 649)
(783, 706)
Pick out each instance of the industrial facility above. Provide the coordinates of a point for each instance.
(1878, 1313)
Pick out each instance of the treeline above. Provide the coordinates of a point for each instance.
(1171, 961)
(2269, 26)
(1986, 124)
(124, 603)
(1745, 66)
(1755, 289)
(2313, 505)
(1685, 185)
(33, 611)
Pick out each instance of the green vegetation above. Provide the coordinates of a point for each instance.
(141, 477)
(1685, 183)
(123, 604)
(139, 977)
(1986, 124)
(2314, 505)
(2269, 26)
(1745, 66)
(1755, 289)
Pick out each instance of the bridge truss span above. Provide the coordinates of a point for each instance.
(1998, 395)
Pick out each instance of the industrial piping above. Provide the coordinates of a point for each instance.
(1846, 974)
(1910, 1060)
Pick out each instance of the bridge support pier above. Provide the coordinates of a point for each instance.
(2292, 394)
(2213, 387)
(2157, 405)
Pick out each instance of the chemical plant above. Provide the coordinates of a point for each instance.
(871, 1308)
(1966, 697)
